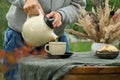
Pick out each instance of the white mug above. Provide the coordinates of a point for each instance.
(56, 48)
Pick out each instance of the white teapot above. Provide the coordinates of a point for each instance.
(38, 30)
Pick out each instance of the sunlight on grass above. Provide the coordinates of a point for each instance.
(80, 46)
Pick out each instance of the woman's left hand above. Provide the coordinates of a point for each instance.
(57, 18)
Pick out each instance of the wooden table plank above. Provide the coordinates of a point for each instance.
(95, 69)
(94, 73)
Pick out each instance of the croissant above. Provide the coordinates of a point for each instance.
(108, 48)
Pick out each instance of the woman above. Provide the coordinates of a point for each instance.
(64, 12)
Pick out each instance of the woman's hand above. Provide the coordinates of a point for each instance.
(32, 7)
(57, 18)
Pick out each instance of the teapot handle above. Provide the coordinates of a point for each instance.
(40, 12)
(38, 15)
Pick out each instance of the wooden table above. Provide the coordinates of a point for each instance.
(94, 73)
(89, 67)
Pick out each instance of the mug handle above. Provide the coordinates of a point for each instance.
(46, 48)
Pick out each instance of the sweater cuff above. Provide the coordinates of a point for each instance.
(62, 13)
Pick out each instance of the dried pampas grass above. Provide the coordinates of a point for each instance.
(102, 24)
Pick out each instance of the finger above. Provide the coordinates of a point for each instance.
(59, 24)
(30, 12)
(57, 20)
(55, 24)
(28, 7)
(51, 14)
(33, 12)
(25, 9)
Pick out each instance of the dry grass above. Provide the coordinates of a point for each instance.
(102, 24)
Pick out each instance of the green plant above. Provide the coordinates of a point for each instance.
(80, 46)
(4, 5)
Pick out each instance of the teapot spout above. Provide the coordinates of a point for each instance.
(54, 36)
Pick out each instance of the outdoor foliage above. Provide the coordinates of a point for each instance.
(101, 24)
(90, 4)
(4, 5)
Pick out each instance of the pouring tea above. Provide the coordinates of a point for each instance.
(38, 30)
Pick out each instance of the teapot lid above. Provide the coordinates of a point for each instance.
(49, 21)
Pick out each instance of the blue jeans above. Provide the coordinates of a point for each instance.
(63, 38)
(12, 40)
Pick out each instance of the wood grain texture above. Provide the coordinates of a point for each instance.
(94, 73)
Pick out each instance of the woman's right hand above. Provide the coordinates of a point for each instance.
(32, 7)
